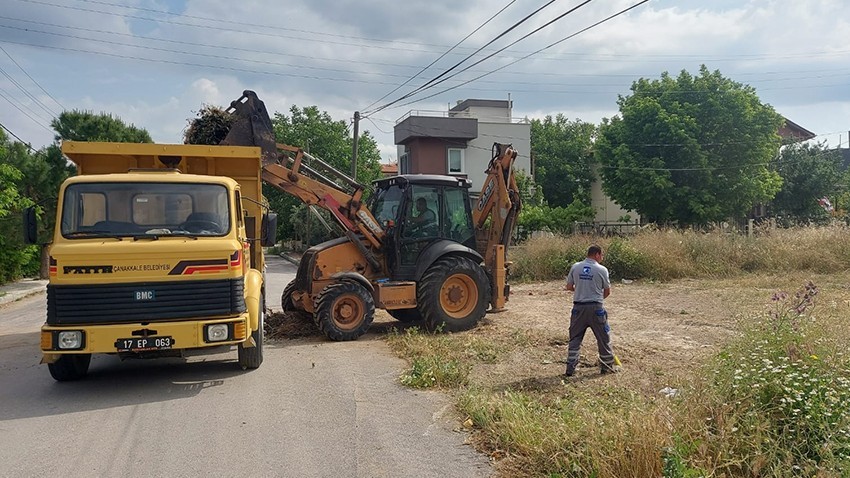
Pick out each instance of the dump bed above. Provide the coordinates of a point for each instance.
(241, 163)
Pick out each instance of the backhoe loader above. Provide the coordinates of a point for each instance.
(421, 249)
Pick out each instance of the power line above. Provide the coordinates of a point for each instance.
(31, 78)
(615, 57)
(8, 98)
(363, 62)
(246, 24)
(194, 53)
(443, 55)
(27, 93)
(436, 80)
(378, 127)
(17, 137)
(532, 53)
(220, 29)
(293, 75)
(807, 54)
(200, 65)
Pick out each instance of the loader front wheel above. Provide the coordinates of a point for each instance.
(288, 305)
(344, 311)
(453, 294)
(252, 357)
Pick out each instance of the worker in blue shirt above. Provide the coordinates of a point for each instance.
(589, 282)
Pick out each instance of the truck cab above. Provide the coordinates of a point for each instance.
(157, 252)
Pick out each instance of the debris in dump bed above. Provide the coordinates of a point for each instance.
(289, 325)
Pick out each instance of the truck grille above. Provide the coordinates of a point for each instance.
(143, 301)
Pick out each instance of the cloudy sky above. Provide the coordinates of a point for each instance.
(154, 63)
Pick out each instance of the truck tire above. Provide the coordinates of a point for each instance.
(289, 307)
(453, 294)
(406, 315)
(70, 367)
(344, 311)
(252, 357)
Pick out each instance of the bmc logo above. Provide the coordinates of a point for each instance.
(145, 295)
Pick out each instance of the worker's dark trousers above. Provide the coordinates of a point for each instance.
(591, 315)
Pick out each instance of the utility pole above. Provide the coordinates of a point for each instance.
(354, 145)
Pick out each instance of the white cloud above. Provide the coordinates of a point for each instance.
(343, 55)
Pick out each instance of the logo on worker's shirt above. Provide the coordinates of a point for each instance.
(585, 273)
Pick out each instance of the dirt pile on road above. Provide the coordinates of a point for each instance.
(289, 325)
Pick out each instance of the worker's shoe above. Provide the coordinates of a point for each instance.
(570, 371)
(606, 369)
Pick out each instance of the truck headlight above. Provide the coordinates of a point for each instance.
(70, 339)
(218, 332)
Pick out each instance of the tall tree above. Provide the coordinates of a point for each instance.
(809, 172)
(690, 150)
(87, 126)
(16, 259)
(562, 151)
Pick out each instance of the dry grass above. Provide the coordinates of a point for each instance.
(673, 254)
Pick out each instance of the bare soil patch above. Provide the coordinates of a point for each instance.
(662, 332)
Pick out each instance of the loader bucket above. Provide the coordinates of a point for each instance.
(252, 126)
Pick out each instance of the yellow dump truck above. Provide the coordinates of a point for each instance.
(157, 252)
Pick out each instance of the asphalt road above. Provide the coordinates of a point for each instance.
(314, 408)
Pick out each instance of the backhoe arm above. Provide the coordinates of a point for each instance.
(314, 182)
(499, 201)
(314, 188)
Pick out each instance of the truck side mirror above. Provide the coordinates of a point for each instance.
(268, 232)
(30, 226)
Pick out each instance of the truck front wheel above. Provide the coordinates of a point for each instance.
(252, 357)
(70, 367)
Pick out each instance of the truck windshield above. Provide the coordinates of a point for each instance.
(145, 210)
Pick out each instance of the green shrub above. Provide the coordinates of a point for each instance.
(625, 261)
(17, 260)
(546, 258)
(558, 220)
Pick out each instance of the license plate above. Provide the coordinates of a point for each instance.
(143, 344)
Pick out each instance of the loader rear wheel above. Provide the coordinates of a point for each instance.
(252, 357)
(406, 315)
(70, 367)
(344, 311)
(453, 294)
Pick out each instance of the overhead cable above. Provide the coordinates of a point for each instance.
(443, 55)
(531, 54)
(433, 82)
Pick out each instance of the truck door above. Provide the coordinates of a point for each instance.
(422, 221)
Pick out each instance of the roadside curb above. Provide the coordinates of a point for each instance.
(289, 257)
(15, 291)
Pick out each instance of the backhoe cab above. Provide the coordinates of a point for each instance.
(421, 249)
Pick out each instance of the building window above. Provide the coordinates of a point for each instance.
(404, 163)
(455, 157)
